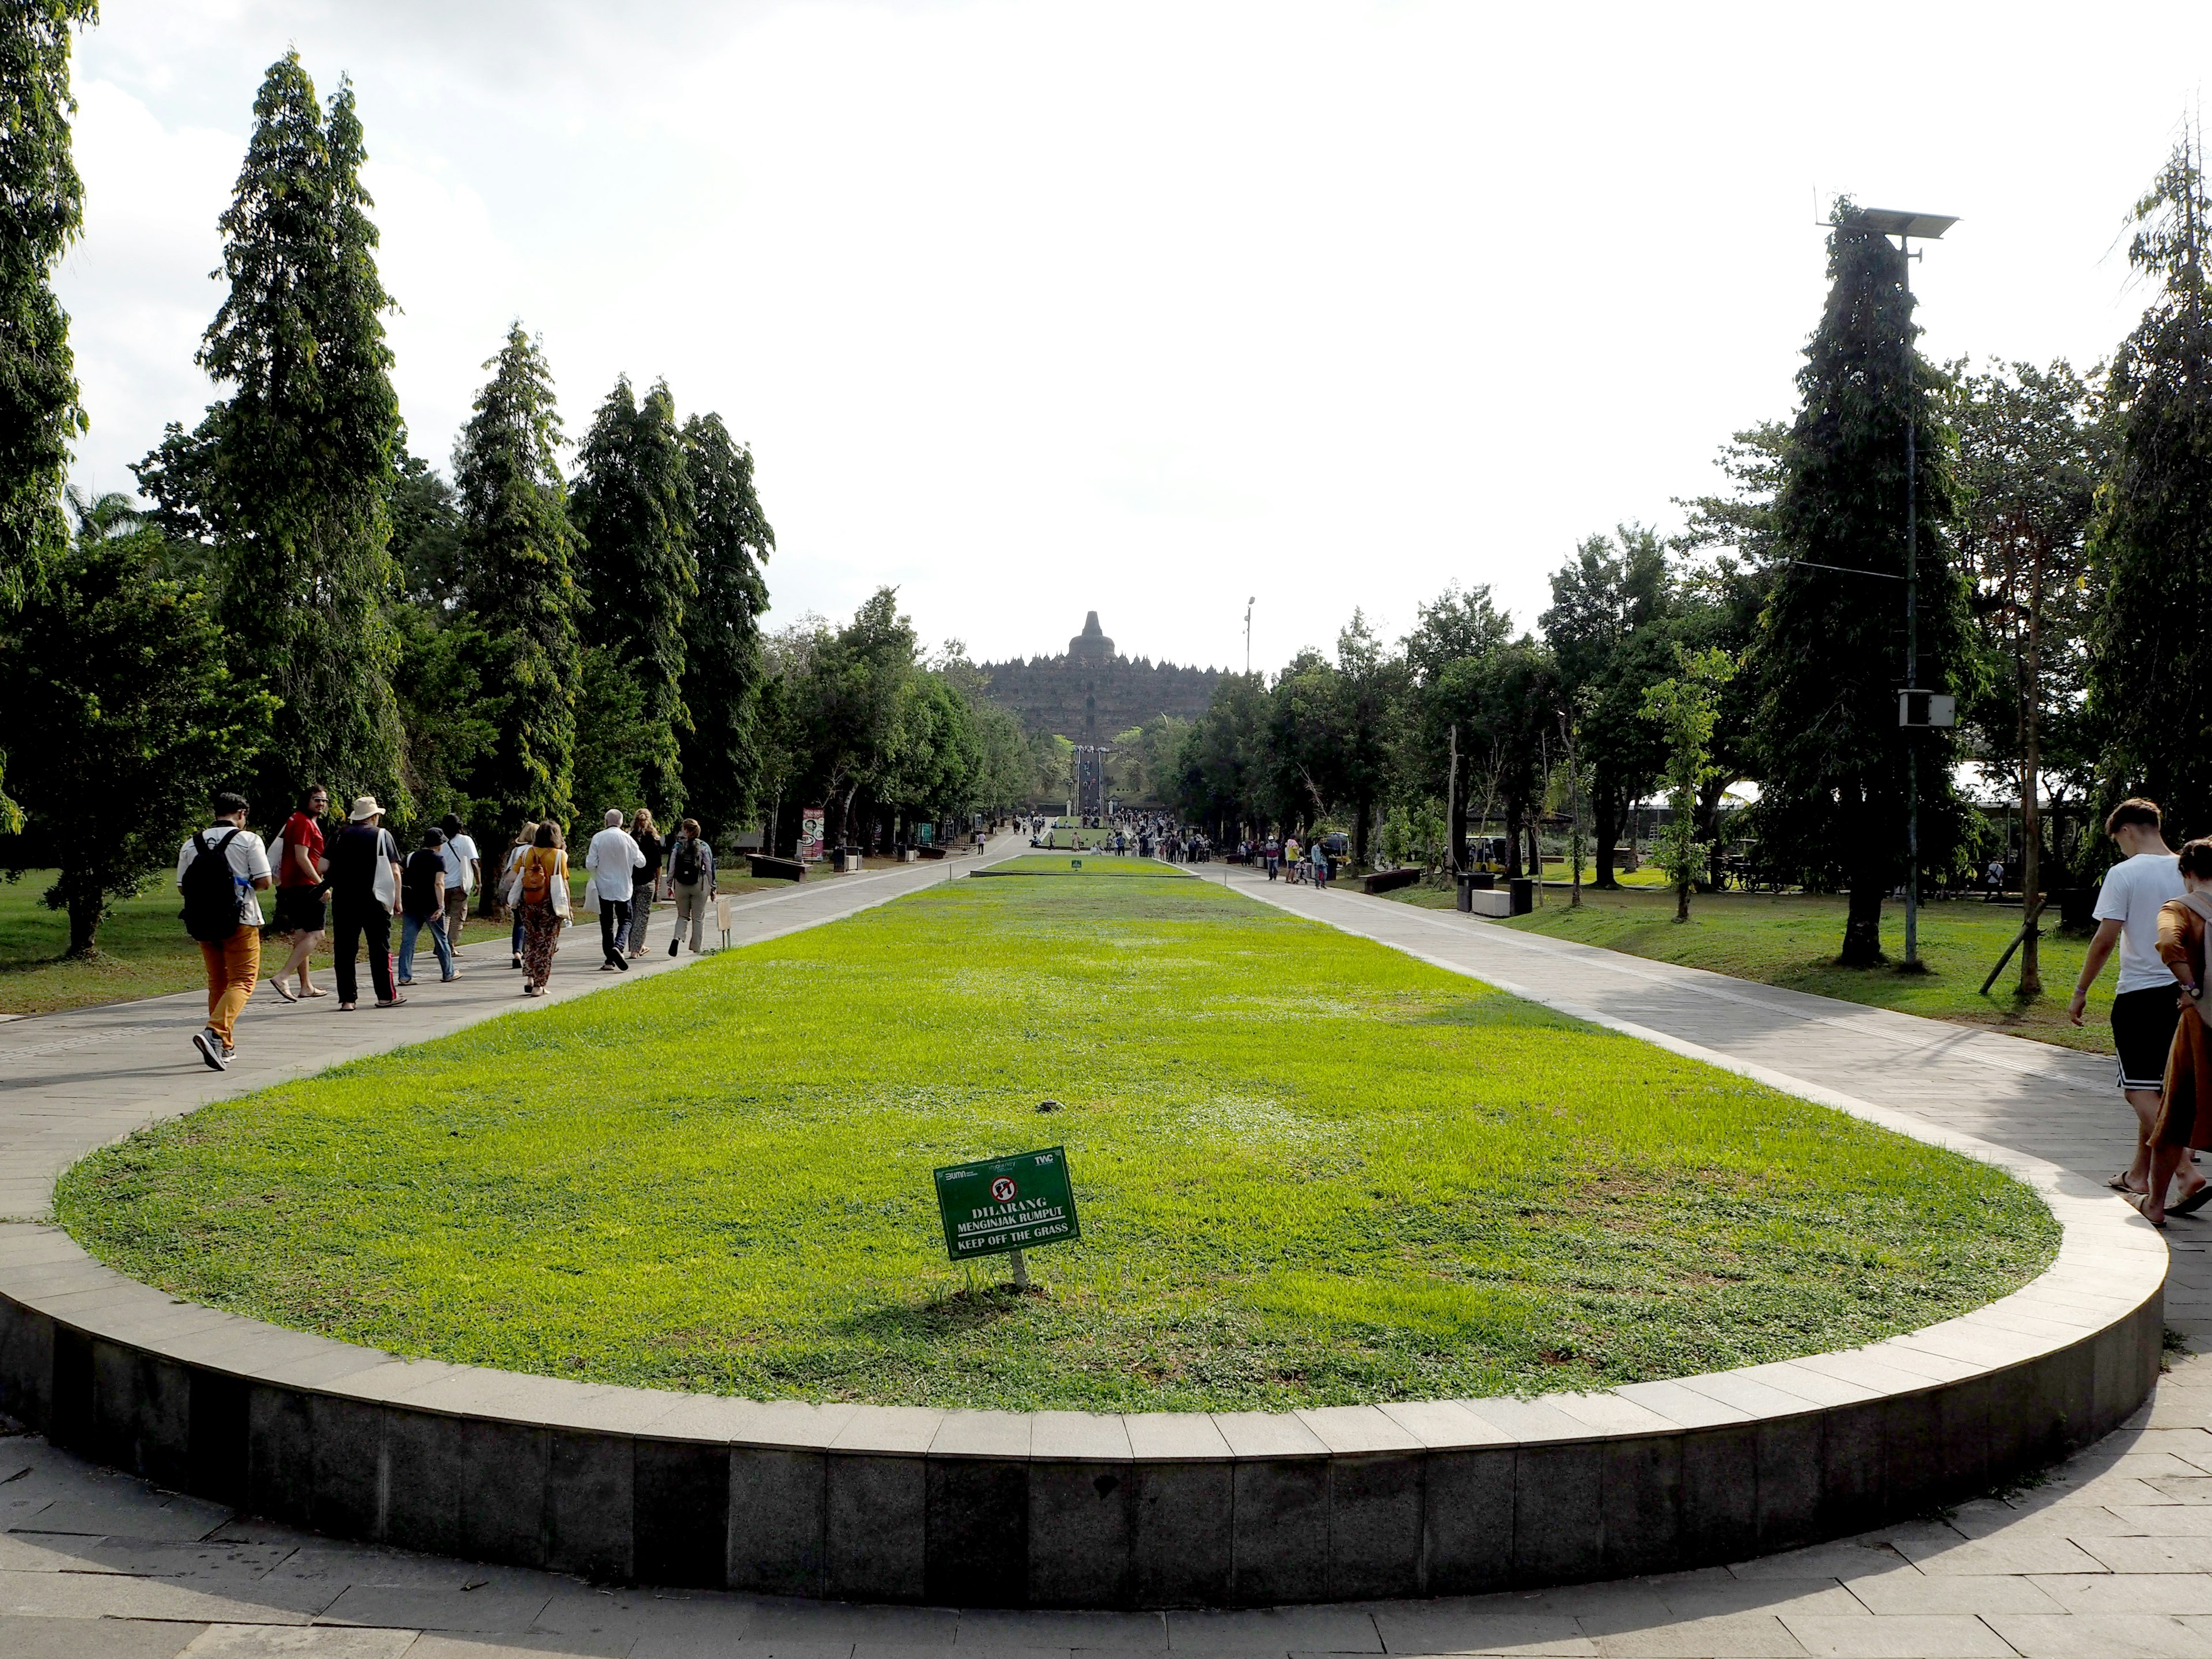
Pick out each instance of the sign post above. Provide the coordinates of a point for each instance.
(1003, 1205)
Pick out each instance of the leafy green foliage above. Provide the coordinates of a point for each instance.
(289, 479)
(2151, 670)
(633, 504)
(1684, 707)
(516, 580)
(1830, 648)
(41, 211)
(730, 539)
(1376, 1180)
(120, 672)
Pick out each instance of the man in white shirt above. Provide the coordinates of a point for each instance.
(233, 962)
(611, 860)
(463, 874)
(2146, 1005)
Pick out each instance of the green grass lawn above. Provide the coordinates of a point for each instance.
(144, 951)
(1310, 1169)
(1090, 864)
(1792, 940)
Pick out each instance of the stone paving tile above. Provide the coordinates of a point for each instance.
(1977, 1557)
(1736, 1635)
(491, 1608)
(2182, 1553)
(78, 1638)
(447, 1644)
(1846, 1560)
(2108, 1636)
(2117, 1592)
(829, 1622)
(1274, 1630)
(313, 1642)
(1933, 1637)
(1555, 1636)
(108, 1596)
(1788, 1598)
(1910, 1592)
(1004, 1627)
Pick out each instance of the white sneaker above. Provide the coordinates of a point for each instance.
(212, 1049)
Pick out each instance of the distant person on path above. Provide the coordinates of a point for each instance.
(692, 882)
(464, 876)
(219, 871)
(525, 839)
(2185, 1117)
(423, 906)
(2143, 1011)
(301, 911)
(541, 904)
(364, 862)
(1993, 880)
(612, 858)
(644, 879)
(1272, 853)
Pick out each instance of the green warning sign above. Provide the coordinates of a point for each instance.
(1005, 1204)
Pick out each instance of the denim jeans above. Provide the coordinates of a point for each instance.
(411, 928)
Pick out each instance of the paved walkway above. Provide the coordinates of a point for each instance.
(2113, 1554)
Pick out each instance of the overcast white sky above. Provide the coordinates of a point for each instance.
(1032, 308)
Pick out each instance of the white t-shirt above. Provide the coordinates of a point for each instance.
(2134, 889)
(460, 853)
(612, 856)
(248, 858)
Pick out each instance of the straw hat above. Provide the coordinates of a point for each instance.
(364, 808)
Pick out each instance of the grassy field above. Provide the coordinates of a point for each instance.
(1108, 863)
(1310, 1170)
(1792, 940)
(144, 951)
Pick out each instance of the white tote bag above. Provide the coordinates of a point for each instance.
(387, 885)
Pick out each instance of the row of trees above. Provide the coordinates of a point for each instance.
(2063, 593)
(305, 600)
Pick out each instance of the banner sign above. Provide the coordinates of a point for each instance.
(1005, 1204)
(810, 833)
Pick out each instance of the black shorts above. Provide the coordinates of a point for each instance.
(2142, 1032)
(299, 910)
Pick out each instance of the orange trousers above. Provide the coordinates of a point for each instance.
(232, 967)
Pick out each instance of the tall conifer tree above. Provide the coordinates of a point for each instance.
(516, 572)
(2151, 671)
(731, 539)
(289, 479)
(1829, 654)
(41, 211)
(632, 506)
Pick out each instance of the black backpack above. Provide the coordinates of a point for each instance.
(689, 865)
(211, 912)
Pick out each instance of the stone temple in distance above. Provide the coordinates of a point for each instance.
(1091, 695)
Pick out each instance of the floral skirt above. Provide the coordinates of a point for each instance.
(541, 938)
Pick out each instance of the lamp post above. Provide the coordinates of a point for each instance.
(1914, 708)
(1248, 603)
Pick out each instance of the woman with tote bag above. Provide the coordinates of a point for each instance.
(541, 900)
(2185, 1110)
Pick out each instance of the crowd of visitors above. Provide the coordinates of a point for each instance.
(346, 882)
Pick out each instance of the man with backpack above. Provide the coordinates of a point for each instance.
(219, 870)
(691, 883)
(423, 906)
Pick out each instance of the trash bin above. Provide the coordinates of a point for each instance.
(1466, 892)
(1524, 895)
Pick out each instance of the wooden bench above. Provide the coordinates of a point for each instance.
(773, 869)
(1386, 881)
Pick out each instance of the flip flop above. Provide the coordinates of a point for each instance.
(2137, 1201)
(282, 990)
(2118, 1183)
(2195, 1201)
(314, 990)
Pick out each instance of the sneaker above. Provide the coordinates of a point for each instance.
(212, 1049)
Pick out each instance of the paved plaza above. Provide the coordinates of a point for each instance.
(2111, 1555)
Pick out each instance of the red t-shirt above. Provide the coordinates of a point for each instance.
(300, 830)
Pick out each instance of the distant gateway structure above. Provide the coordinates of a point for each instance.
(1090, 695)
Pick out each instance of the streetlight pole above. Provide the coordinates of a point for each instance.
(1248, 634)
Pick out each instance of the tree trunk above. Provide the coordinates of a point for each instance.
(2031, 807)
(1359, 815)
(87, 906)
(1605, 812)
(1513, 840)
(1862, 922)
(1456, 860)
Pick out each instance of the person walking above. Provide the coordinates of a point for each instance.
(692, 882)
(220, 870)
(612, 858)
(364, 871)
(423, 906)
(2185, 1116)
(2146, 877)
(464, 876)
(541, 904)
(299, 891)
(644, 879)
(525, 839)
